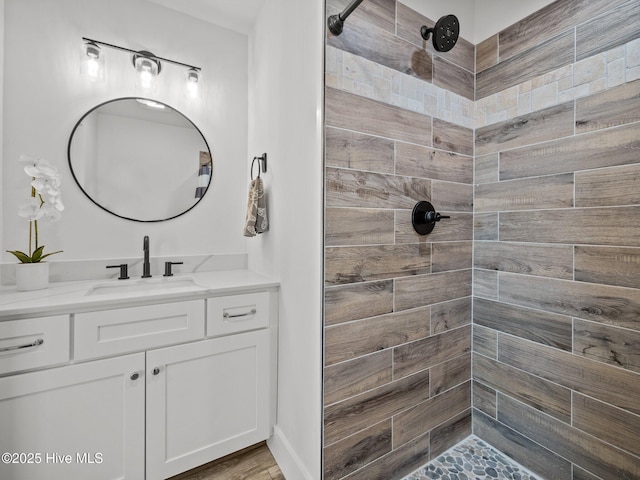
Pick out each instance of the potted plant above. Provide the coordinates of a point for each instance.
(32, 273)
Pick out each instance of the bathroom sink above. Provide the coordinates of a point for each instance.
(142, 286)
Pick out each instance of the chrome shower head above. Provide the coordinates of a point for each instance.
(445, 33)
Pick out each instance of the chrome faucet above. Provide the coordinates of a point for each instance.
(146, 266)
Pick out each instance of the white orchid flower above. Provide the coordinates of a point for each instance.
(38, 167)
(47, 185)
(44, 203)
(56, 203)
(27, 160)
(51, 213)
(54, 200)
(31, 210)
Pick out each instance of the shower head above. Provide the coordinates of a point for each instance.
(445, 33)
(336, 22)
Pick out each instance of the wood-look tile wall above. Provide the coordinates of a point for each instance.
(556, 309)
(552, 37)
(551, 224)
(397, 376)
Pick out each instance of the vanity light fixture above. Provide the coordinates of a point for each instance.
(146, 64)
(193, 77)
(148, 67)
(92, 61)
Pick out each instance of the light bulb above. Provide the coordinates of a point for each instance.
(145, 79)
(93, 68)
(193, 78)
(147, 69)
(92, 62)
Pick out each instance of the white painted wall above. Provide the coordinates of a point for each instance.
(285, 120)
(479, 19)
(2, 247)
(44, 97)
(233, 14)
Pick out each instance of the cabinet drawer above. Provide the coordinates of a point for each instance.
(237, 313)
(33, 343)
(122, 330)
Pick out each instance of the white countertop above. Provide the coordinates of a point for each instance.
(73, 297)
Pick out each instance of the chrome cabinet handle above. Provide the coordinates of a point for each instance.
(252, 312)
(156, 371)
(35, 343)
(135, 376)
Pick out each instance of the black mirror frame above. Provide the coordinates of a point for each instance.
(106, 209)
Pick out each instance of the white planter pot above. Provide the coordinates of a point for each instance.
(32, 276)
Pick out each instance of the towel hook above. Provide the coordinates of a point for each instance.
(262, 164)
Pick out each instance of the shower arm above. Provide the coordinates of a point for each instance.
(336, 22)
(350, 8)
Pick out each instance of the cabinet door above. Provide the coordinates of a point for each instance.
(207, 399)
(76, 422)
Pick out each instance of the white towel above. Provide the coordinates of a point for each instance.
(256, 220)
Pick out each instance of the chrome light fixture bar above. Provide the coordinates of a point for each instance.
(146, 64)
(142, 53)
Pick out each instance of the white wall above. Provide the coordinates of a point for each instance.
(479, 19)
(2, 247)
(44, 97)
(285, 103)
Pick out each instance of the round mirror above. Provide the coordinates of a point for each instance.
(140, 159)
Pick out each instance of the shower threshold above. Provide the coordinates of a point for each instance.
(472, 459)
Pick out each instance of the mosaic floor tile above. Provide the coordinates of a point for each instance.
(472, 459)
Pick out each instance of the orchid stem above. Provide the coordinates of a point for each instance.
(33, 225)
(30, 237)
(35, 228)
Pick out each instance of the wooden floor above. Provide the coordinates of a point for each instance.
(252, 463)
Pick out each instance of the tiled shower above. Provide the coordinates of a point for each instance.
(517, 319)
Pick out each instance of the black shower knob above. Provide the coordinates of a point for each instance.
(424, 217)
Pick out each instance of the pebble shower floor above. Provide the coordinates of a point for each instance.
(472, 459)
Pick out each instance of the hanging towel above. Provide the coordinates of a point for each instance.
(256, 221)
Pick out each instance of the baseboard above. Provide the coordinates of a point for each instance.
(289, 463)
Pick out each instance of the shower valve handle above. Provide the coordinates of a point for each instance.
(431, 217)
(424, 217)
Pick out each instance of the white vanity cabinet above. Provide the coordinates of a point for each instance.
(74, 422)
(206, 400)
(143, 392)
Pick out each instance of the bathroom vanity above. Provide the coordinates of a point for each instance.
(135, 379)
